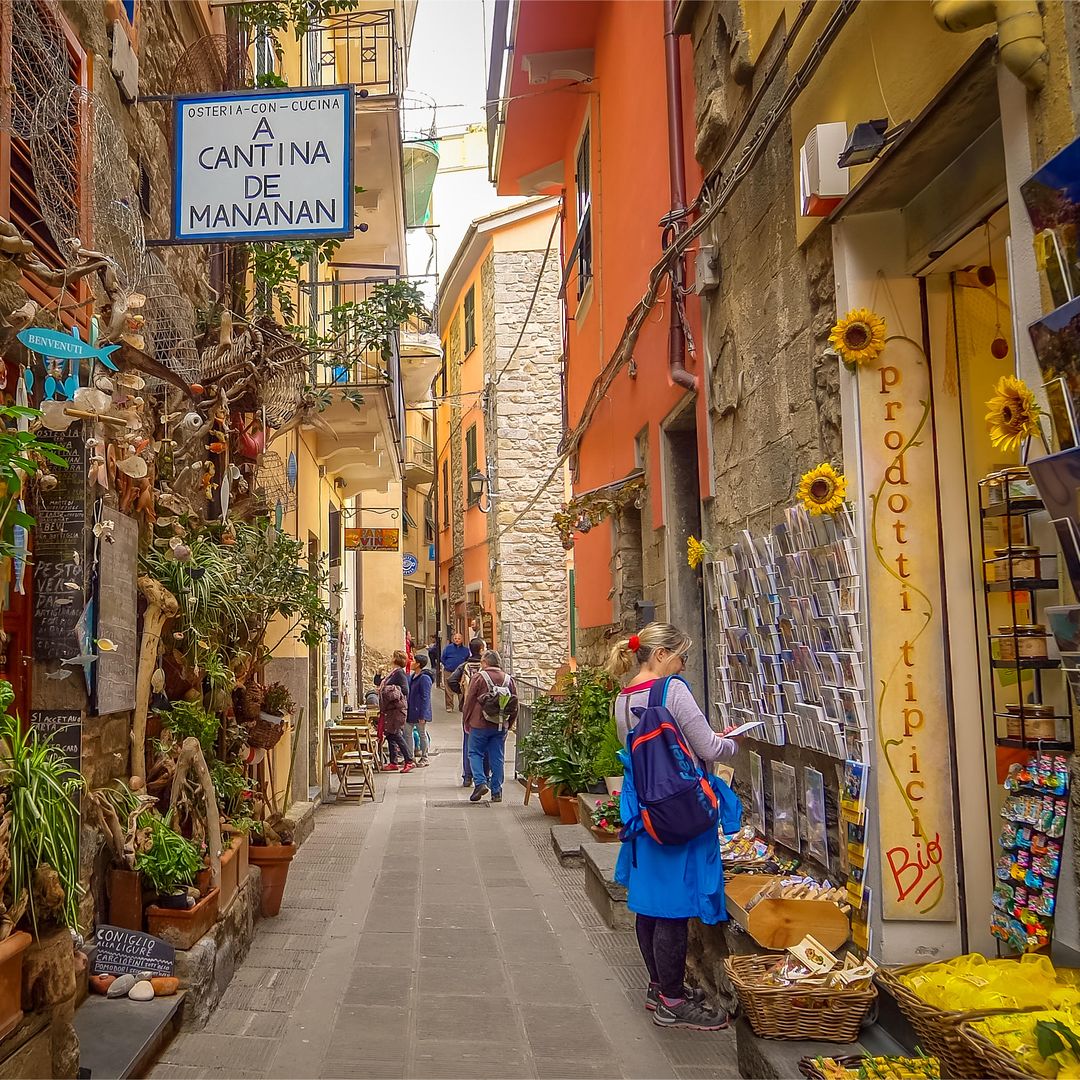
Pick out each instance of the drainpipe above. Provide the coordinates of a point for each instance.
(1019, 30)
(677, 172)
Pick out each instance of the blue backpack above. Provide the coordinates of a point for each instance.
(677, 801)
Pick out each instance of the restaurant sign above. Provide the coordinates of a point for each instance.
(263, 165)
(371, 539)
(903, 566)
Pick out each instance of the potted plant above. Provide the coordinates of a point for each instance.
(606, 819)
(563, 770)
(539, 743)
(277, 704)
(232, 788)
(171, 865)
(272, 847)
(607, 763)
(39, 862)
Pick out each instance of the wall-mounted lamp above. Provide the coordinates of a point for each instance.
(478, 486)
(866, 142)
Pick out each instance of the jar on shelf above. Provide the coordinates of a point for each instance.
(1029, 721)
(1024, 641)
(1020, 562)
(1016, 481)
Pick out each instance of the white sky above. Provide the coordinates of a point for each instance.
(448, 61)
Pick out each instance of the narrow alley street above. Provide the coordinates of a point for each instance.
(422, 936)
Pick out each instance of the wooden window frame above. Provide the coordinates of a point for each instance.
(472, 463)
(468, 314)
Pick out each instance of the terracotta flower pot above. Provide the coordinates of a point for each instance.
(549, 801)
(568, 809)
(126, 903)
(11, 964)
(273, 860)
(230, 880)
(603, 835)
(181, 928)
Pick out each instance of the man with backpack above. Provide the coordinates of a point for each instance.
(491, 710)
(458, 683)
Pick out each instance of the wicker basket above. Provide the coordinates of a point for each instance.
(264, 734)
(939, 1029)
(250, 701)
(812, 1072)
(824, 1014)
(996, 1061)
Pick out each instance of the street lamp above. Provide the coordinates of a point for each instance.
(478, 485)
(866, 142)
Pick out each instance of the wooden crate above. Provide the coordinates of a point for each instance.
(778, 924)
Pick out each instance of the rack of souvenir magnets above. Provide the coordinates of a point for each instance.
(1030, 698)
(1026, 875)
(789, 653)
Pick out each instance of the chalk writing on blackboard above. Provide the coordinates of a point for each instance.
(127, 952)
(63, 728)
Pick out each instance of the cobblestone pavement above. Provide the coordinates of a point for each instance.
(424, 937)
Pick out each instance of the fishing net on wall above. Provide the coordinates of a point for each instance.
(169, 332)
(271, 486)
(36, 101)
(212, 63)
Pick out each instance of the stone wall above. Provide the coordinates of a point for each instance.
(457, 483)
(526, 416)
(774, 395)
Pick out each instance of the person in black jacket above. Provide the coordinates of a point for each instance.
(394, 703)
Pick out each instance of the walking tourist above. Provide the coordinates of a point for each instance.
(491, 710)
(394, 702)
(453, 656)
(434, 656)
(668, 883)
(459, 682)
(420, 704)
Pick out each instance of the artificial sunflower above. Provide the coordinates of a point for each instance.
(695, 552)
(822, 490)
(859, 336)
(1013, 414)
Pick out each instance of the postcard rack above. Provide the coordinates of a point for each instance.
(1031, 703)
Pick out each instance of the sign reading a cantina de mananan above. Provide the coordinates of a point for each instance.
(903, 569)
(263, 165)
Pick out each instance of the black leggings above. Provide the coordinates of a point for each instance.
(663, 947)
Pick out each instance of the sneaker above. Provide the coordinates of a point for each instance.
(652, 996)
(496, 796)
(688, 1014)
(479, 792)
(422, 763)
(391, 768)
(466, 783)
(408, 767)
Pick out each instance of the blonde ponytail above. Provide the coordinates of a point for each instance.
(640, 646)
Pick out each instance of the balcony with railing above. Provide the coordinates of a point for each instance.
(419, 462)
(357, 48)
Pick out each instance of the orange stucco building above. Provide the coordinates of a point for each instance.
(584, 112)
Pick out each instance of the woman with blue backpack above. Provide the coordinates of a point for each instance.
(672, 806)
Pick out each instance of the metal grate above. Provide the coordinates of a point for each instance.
(455, 804)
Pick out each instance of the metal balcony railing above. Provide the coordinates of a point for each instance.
(357, 47)
(419, 454)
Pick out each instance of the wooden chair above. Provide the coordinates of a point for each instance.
(354, 765)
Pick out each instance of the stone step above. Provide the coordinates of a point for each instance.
(608, 897)
(778, 1059)
(569, 841)
(120, 1038)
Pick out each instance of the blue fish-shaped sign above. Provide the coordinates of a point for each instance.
(65, 346)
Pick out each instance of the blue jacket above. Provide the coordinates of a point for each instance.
(420, 696)
(453, 656)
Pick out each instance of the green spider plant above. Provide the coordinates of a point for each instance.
(172, 860)
(40, 788)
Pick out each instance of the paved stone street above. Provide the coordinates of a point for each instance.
(422, 936)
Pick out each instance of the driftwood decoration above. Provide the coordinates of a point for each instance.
(126, 843)
(161, 606)
(191, 755)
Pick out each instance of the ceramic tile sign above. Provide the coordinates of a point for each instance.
(263, 165)
(63, 728)
(59, 555)
(117, 613)
(371, 539)
(907, 648)
(127, 952)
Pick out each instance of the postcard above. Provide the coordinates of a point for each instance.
(813, 955)
(1065, 624)
(853, 791)
(756, 810)
(1062, 413)
(785, 799)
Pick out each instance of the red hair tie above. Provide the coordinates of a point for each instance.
(634, 643)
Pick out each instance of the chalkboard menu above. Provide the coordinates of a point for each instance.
(127, 952)
(63, 728)
(59, 554)
(117, 608)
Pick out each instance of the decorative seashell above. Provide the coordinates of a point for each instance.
(104, 384)
(157, 680)
(54, 415)
(192, 420)
(131, 380)
(136, 300)
(91, 400)
(47, 482)
(234, 472)
(134, 467)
